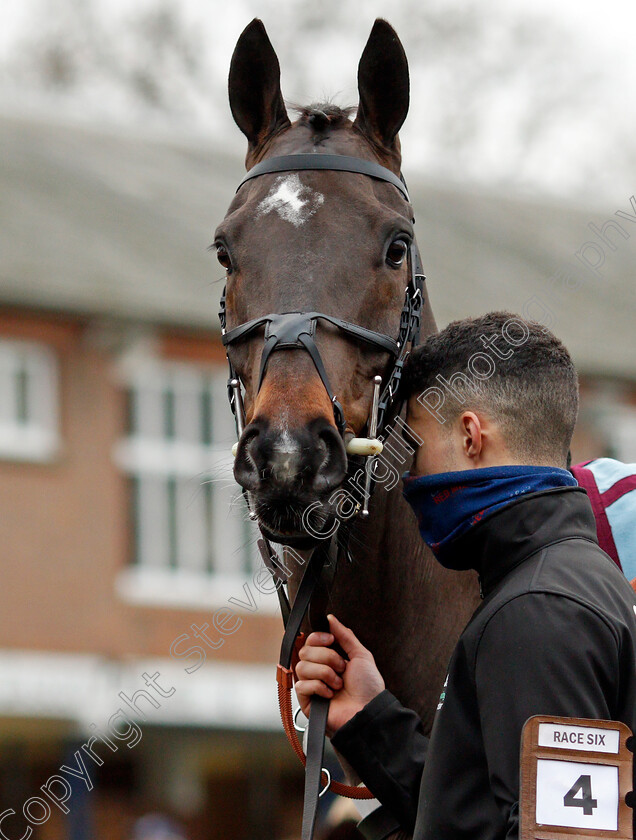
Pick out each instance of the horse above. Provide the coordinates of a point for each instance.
(333, 242)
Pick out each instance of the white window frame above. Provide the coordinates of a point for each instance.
(204, 549)
(29, 401)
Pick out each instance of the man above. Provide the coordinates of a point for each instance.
(494, 401)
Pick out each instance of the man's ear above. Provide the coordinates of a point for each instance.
(256, 100)
(383, 85)
(472, 434)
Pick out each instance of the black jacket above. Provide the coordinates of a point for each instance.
(555, 634)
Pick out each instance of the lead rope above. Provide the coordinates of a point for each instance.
(312, 590)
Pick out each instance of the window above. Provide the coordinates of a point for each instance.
(28, 401)
(192, 539)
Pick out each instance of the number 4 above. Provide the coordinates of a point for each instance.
(585, 801)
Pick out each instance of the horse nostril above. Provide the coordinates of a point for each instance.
(246, 467)
(333, 468)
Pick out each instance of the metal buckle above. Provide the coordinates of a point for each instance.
(328, 785)
(296, 727)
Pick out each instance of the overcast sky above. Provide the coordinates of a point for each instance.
(591, 154)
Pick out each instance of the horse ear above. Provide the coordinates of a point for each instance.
(383, 84)
(254, 85)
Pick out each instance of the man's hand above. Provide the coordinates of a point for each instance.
(350, 685)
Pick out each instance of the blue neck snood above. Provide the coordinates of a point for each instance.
(449, 504)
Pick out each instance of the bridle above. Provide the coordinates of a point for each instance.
(296, 330)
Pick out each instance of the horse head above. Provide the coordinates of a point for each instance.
(312, 241)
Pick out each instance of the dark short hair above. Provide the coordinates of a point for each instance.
(514, 370)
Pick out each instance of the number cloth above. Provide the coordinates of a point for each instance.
(555, 634)
(611, 486)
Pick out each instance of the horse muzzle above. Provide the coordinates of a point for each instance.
(285, 471)
(293, 466)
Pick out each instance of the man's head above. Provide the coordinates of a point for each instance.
(490, 391)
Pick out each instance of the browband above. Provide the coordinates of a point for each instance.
(339, 163)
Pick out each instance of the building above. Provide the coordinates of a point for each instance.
(121, 524)
(123, 534)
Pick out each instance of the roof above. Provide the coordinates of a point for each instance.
(98, 222)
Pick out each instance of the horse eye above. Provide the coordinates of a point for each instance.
(223, 256)
(396, 253)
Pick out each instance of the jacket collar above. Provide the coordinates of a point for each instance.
(508, 536)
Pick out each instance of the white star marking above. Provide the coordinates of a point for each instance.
(293, 201)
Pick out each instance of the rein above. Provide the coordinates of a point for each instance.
(296, 330)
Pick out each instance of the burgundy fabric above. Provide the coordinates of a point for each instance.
(586, 480)
(624, 485)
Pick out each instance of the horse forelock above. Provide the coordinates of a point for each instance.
(322, 115)
(331, 127)
(327, 118)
